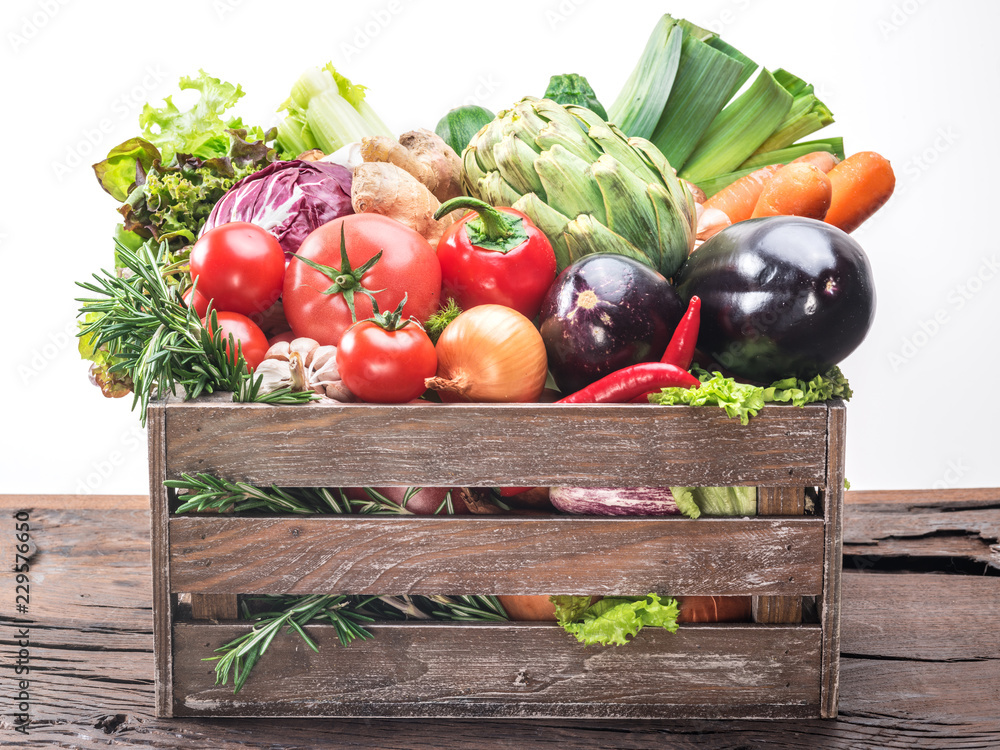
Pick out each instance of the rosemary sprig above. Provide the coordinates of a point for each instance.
(160, 343)
(346, 613)
(206, 492)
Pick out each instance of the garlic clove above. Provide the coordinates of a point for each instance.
(319, 356)
(274, 374)
(339, 392)
(278, 351)
(303, 346)
(327, 372)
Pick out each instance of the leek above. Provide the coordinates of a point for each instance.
(807, 114)
(739, 129)
(705, 78)
(713, 40)
(641, 101)
(326, 111)
(834, 146)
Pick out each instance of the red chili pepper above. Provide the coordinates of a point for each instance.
(494, 256)
(680, 350)
(626, 384)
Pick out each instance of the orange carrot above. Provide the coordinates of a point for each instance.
(738, 199)
(862, 183)
(795, 190)
(822, 160)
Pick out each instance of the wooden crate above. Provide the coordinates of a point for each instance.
(775, 667)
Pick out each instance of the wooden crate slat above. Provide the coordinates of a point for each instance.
(163, 600)
(496, 555)
(511, 671)
(779, 501)
(492, 444)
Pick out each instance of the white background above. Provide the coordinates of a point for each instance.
(914, 80)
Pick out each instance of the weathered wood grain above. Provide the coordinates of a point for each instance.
(496, 555)
(779, 501)
(163, 599)
(629, 445)
(522, 670)
(832, 496)
(214, 607)
(928, 670)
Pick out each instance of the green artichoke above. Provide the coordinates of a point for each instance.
(584, 183)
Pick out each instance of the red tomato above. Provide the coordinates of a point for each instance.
(386, 367)
(239, 266)
(473, 275)
(408, 267)
(194, 299)
(252, 341)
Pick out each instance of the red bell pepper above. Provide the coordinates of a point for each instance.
(494, 256)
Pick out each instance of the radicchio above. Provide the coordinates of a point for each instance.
(287, 198)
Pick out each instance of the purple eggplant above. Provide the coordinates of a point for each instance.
(605, 312)
(780, 296)
(620, 501)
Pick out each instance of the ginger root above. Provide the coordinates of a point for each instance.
(424, 155)
(386, 189)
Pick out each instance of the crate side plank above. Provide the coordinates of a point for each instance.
(496, 555)
(511, 671)
(493, 444)
(833, 559)
(163, 600)
(779, 501)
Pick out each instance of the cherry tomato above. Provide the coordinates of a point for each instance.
(387, 367)
(408, 267)
(252, 341)
(239, 266)
(194, 299)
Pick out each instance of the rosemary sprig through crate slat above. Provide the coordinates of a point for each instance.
(347, 613)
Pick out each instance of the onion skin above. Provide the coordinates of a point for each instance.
(491, 354)
(424, 502)
(614, 501)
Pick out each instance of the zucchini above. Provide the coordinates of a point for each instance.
(459, 126)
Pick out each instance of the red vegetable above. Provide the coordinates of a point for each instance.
(680, 350)
(330, 283)
(629, 382)
(494, 256)
(247, 334)
(240, 267)
(386, 359)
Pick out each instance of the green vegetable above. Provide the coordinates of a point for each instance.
(326, 111)
(586, 186)
(640, 104)
(742, 401)
(574, 89)
(175, 199)
(716, 501)
(739, 129)
(199, 131)
(461, 124)
(614, 620)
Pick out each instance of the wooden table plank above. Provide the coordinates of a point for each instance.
(920, 667)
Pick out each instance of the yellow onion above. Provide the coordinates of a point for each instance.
(490, 353)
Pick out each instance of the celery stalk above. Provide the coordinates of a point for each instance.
(642, 99)
(739, 129)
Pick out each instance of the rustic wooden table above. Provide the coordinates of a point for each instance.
(920, 646)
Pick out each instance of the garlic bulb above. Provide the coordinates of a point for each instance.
(303, 365)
